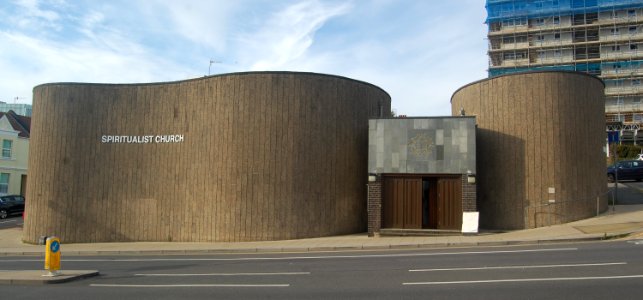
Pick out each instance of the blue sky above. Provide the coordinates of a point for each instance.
(419, 51)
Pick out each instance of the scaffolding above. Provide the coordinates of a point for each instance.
(599, 37)
(509, 9)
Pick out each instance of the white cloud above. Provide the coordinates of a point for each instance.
(33, 61)
(201, 22)
(289, 33)
(32, 16)
(420, 53)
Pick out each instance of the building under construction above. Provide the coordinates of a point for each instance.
(599, 37)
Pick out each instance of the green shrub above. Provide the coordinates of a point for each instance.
(628, 151)
(625, 152)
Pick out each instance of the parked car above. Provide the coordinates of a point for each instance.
(11, 205)
(627, 170)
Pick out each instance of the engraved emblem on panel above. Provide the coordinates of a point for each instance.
(421, 145)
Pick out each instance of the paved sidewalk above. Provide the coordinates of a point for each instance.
(626, 219)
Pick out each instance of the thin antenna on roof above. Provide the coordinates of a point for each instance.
(212, 62)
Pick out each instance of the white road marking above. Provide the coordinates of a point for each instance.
(230, 274)
(302, 257)
(186, 285)
(8, 221)
(523, 280)
(519, 267)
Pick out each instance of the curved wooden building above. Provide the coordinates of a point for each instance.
(539, 147)
(236, 157)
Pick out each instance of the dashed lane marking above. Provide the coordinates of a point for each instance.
(188, 285)
(520, 267)
(523, 280)
(229, 274)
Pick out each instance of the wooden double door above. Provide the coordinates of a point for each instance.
(422, 202)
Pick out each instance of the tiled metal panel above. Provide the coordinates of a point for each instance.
(441, 145)
(540, 138)
(264, 156)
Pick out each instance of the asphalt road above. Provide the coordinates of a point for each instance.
(629, 192)
(10, 222)
(602, 270)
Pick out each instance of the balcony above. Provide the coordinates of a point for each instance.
(514, 46)
(626, 37)
(551, 42)
(624, 54)
(623, 90)
(608, 72)
(623, 108)
(515, 62)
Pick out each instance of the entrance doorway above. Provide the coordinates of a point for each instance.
(422, 202)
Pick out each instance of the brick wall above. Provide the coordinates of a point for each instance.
(468, 195)
(374, 207)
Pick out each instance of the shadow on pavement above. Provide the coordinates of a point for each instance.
(629, 193)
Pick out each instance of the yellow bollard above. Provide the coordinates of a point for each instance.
(52, 256)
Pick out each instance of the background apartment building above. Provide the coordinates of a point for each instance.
(599, 37)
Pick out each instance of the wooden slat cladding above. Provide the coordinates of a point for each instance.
(265, 156)
(393, 202)
(413, 203)
(449, 203)
(402, 203)
(537, 131)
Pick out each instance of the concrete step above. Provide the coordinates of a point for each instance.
(417, 232)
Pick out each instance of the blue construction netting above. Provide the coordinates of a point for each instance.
(498, 10)
(592, 68)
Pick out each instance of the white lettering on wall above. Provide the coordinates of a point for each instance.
(141, 139)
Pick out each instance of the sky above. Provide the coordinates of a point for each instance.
(419, 51)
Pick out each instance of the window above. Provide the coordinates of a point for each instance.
(557, 53)
(634, 46)
(6, 148)
(631, 13)
(632, 29)
(556, 20)
(557, 36)
(508, 40)
(616, 83)
(4, 183)
(616, 48)
(540, 38)
(539, 22)
(614, 31)
(636, 81)
(514, 22)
